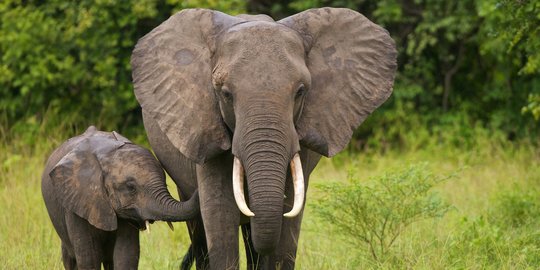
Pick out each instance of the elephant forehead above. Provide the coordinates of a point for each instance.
(134, 159)
(255, 38)
(270, 52)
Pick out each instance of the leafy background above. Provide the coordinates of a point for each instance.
(466, 107)
(472, 62)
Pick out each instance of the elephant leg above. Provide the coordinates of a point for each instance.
(108, 265)
(219, 212)
(183, 172)
(285, 255)
(188, 259)
(251, 253)
(68, 259)
(86, 241)
(126, 247)
(197, 250)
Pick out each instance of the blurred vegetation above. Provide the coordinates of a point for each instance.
(374, 213)
(493, 221)
(470, 62)
(461, 63)
(71, 59)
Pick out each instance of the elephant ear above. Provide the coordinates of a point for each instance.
(172, 76)
(121, 138)
(78, 180)
(352, 62)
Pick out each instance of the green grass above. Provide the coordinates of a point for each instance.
(495, 182)
(493, 223)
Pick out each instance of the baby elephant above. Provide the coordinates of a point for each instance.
(100, 189)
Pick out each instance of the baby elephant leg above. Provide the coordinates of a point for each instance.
(126, 247)
(86, 241)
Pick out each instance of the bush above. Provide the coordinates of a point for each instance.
(373, 214)
(506, 234)
(72, 58)
(515, 208)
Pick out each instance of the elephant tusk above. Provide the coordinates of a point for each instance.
(147, 225)
(298, 182)
(238, 188)
(170, 225)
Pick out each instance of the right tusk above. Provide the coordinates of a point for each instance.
(238, 188)
(147, 225)
(298, 183)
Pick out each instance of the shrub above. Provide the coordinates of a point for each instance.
(506, 234)
(373, 214)
(516, 208)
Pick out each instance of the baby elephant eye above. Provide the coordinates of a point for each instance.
(130, 184)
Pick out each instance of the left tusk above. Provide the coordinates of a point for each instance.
(299, 190)
(147, 225)
(170, 225)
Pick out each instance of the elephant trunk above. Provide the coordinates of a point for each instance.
(164, 207)
(264, 149)
(266, 189)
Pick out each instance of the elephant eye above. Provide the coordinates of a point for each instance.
(130, 184)
(226, 94)
(300, 91)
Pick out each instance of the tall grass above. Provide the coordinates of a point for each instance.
(493, 222)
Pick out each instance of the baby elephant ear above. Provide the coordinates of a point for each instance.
(121, 138)
(78, 180)
(352, 62)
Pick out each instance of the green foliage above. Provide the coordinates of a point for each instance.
(533, 107)
(493, 245)
(474, 61)
(494, 200)
(478, 58)
(494, 223)
(72, 58)
(457, 59)
(373, 214)
(68, 57)
(508, 229)
(233, 7)
(509, 37)
(516, 208)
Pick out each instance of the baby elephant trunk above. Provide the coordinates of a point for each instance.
(164, 207)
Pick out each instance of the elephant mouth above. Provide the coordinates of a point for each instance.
(138, 220)
(145, 225)
(141, 225)
(134, 217)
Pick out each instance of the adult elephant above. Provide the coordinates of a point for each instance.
(218, 90)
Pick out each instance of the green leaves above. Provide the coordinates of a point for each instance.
(533, 107)
(73, 57)
(373, 214)
(477, 58)
(457, 59)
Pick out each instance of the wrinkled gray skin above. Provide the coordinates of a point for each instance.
(99, 189)
(212, 86)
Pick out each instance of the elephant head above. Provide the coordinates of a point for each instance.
(261, 89)
(105, 177)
